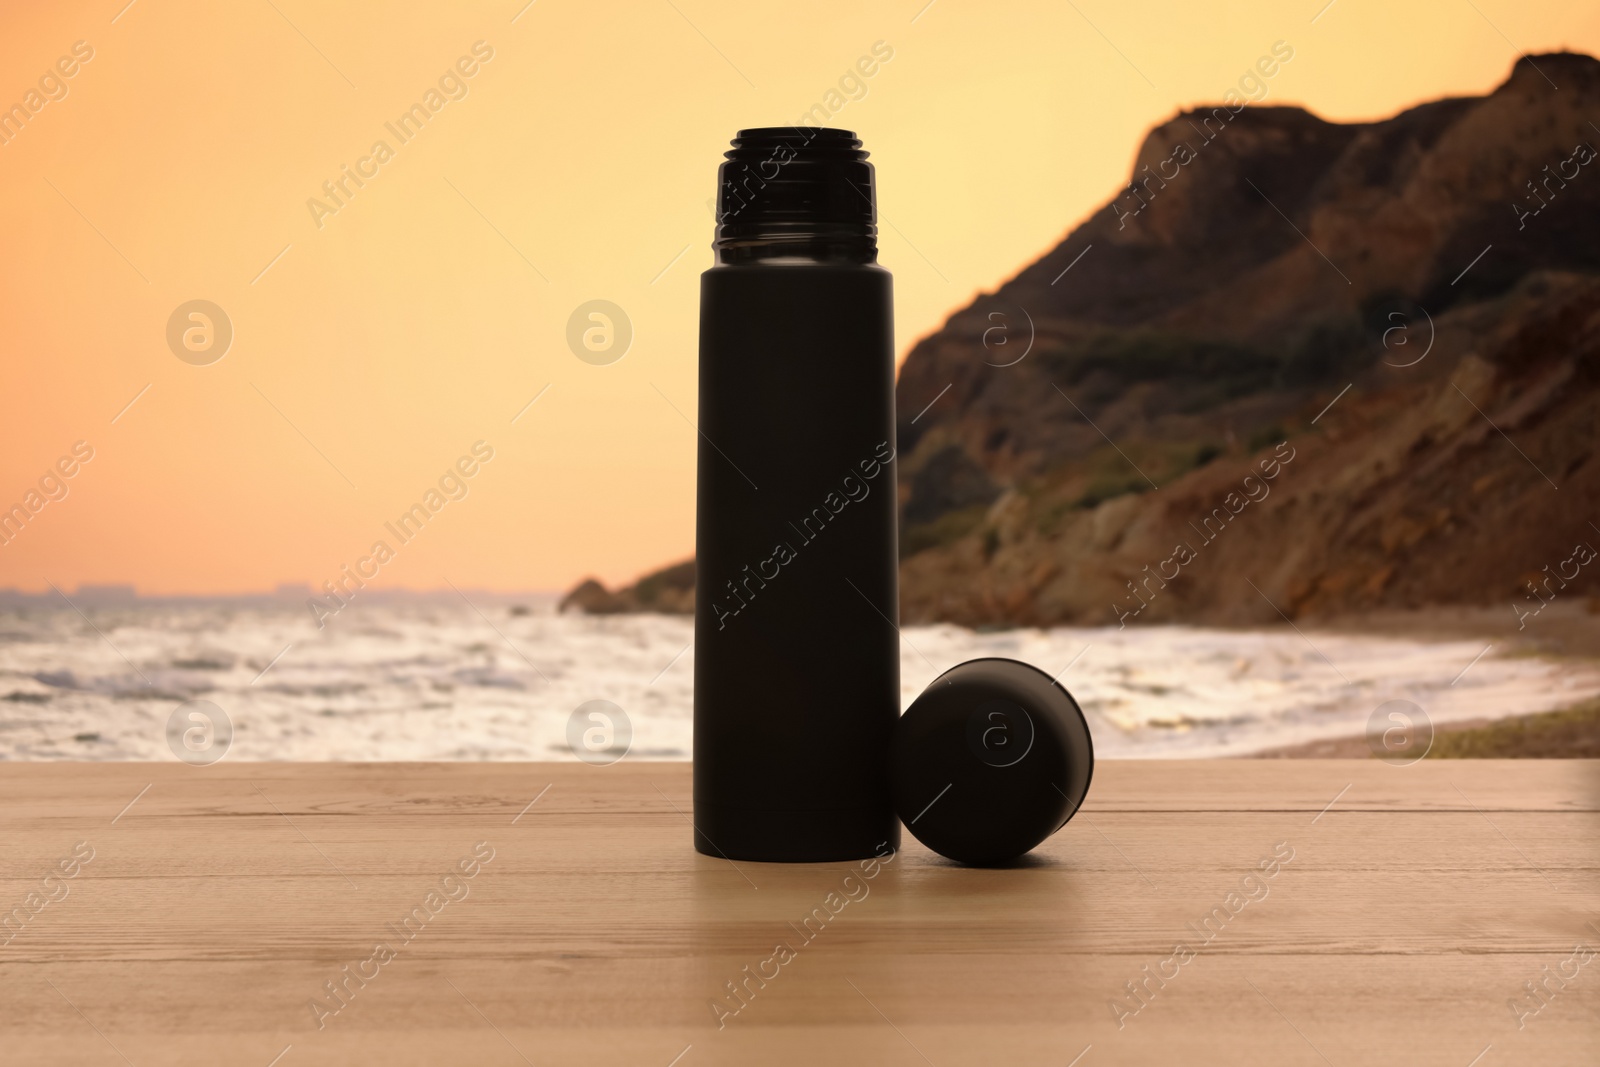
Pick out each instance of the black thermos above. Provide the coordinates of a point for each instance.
(797, 675)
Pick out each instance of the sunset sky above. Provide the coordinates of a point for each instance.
(374, 344)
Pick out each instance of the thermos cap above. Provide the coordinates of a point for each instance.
(990, 760)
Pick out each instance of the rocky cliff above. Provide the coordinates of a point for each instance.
(1294, 366)
(1434, 277)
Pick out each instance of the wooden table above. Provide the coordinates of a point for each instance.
(219, 901)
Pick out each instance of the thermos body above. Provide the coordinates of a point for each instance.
(796, 609)
(797, 667)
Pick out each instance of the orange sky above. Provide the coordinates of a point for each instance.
(574, 164)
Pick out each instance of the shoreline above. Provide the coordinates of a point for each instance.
(403, 682)
(1569, 630)
(1568, 733)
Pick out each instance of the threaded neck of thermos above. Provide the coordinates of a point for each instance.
(796, 192)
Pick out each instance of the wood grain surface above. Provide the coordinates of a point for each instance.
(217, 903)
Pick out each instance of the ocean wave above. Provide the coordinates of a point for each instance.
(395, 682)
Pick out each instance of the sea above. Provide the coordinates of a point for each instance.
(468, 676)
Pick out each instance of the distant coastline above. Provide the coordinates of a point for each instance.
(295, 593)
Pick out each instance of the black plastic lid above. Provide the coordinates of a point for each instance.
(991, 759)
